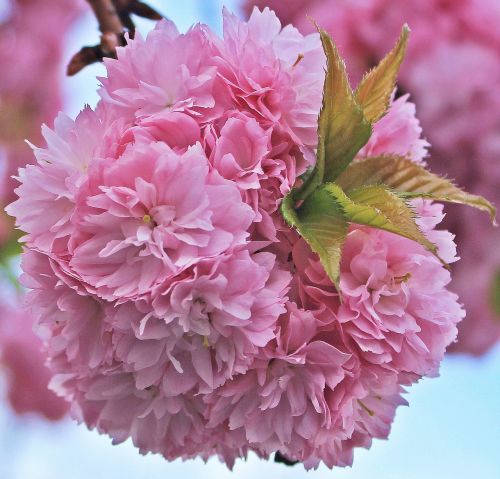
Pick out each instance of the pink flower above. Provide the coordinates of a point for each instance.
(144, 80)
(225, 311)
(342, 18)
(275, 74)
(281, 400)
(240, 151)
(216, 84)
(398, 133)
(153, 213)
(392, 310)
(48, 190)
(65, 312)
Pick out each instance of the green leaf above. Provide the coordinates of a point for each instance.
(320, 221)
(409, 180)
(342, 128)
(375, 89)
(288, 211)
(377, 207)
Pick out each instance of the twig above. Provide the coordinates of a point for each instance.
(127, 7)
(114, 19)
(107, 16)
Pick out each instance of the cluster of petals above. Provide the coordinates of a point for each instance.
(176, 307)
(459, 111)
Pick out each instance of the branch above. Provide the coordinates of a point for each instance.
(107, 16)
(114, 19)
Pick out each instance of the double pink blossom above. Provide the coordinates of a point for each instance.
(176, 307)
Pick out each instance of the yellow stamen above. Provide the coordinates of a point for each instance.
(402, 279)
(369, 411)
(205, 342)
(300, 57)
(147, 218)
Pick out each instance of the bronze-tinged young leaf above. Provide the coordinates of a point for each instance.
(378, 207)
(343, 129)
(409, 180)
(320, 221)
(375, 89)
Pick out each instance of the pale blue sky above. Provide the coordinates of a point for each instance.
(450, 431)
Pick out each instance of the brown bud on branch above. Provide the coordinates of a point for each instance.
(114, 19)
(107, 16)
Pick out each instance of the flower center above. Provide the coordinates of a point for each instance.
(149, 220)
(402, 279)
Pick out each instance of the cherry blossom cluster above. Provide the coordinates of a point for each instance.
(176, 306)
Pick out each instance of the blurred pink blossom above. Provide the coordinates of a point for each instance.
(32, 35)
(22, 365)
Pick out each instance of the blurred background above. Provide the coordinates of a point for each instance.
(452, 427)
